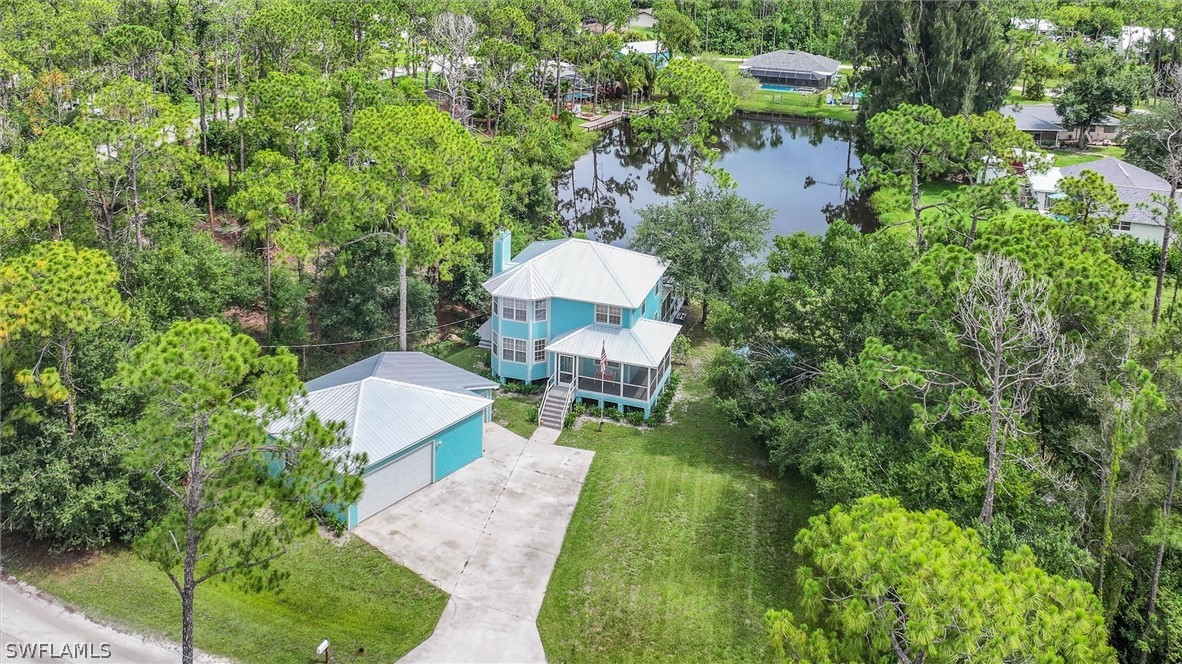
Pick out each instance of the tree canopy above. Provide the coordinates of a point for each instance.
(880, 581)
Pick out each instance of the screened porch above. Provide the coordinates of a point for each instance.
(625, 381)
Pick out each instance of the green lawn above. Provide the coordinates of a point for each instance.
(349, 593)
(516, 412)
(787, 103)
(470, 358)
(894, 207)
(1072, 156)
(795, 103)
(680, 542)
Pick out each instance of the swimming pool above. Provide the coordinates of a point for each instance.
(777, 87)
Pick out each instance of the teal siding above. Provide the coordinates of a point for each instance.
(514, 328)
(454, 447)
(569, 315)
(652, 303)
(458, 445)
(487, 394)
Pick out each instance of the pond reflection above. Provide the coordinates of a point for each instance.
(797, 168)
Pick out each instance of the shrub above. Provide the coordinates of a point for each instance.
(636, 418)
(534, 413)
(471, 336)
(523, 388)
(661, 408)
(681, 349)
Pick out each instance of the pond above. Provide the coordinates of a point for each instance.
(794, 167)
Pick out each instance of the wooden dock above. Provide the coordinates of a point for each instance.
(604, 121)
(614, 118)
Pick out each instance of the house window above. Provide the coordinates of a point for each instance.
(495, 344)
(540, 307)
(496, 309)
(606, 314)
(1122, 225)
(512, 309)
(539, 350)
(513, 350)
(643, 306)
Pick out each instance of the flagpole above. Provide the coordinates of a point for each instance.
(602, 377)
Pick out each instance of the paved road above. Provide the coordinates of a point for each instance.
(35, 628)
(489, 536)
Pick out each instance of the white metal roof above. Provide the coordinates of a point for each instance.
(406, 367)
(1047, 181)
(643, 345)
(391, 401)
(384, 417)
(582, 270)
(650, 47)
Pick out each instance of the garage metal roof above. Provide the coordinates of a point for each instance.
(576, 269)
(383, 417)
(644, 345)
(409, 367)
(391, 401)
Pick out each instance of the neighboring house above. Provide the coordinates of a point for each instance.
(417, 418)
(644, 19)
(1045, 126)
(795, 69)
(651, 49)
(1137, 39)
(1040, 178)
(1136, 187)
(559, 306)
(1040, 25)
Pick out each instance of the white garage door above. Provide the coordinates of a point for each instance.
(394, 482)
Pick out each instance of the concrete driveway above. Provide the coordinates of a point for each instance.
(488, 535)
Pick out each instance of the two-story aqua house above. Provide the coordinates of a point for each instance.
(588, 318)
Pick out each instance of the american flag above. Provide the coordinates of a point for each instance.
(603, 361)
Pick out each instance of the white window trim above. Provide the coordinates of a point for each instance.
(539, 350)
(514, 348)
(608, 312)
(544, 307)
(510, 307)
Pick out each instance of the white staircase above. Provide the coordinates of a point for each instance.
(555, 404)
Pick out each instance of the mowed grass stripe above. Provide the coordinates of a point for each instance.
(681, 541)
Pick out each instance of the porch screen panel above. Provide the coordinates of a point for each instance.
(611, 379)
(588, 372)
(636, 382)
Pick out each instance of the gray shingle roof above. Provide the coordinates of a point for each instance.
(1041, 117)
(1134, 185)
(793, 61)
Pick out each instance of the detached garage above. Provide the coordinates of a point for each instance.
(417, 418)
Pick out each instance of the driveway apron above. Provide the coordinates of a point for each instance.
(489, 536)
